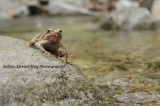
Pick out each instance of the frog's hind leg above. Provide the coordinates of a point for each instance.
(61, 55)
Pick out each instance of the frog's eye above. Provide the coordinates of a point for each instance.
(59, 30)
(49, 30)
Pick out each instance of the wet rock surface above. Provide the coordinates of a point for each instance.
(129, 19)
(29, 77)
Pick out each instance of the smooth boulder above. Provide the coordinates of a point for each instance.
(64, 7)
(129, 19)
(29, 77)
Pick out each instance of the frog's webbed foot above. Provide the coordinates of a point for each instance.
(63, 59)
(62, 56)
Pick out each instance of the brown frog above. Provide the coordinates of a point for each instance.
(50, 42)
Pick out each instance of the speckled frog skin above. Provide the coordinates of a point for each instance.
(50, 42)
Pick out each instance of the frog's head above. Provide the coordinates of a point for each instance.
(53, 35)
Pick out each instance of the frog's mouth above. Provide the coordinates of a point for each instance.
(55, 38)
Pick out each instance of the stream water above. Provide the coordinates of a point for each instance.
(124, 62)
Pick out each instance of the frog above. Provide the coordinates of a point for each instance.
(50, 42)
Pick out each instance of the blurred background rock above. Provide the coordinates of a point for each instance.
(11, 9)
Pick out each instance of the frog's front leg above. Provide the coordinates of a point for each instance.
(40, 46)
(62, 54)
(34, 40)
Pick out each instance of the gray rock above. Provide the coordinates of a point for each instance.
(155, 9)
(64, 7)
(148, 4)
(129, 19)
(7, 5)
(127, 4)
(31, 78)
(137, 98)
